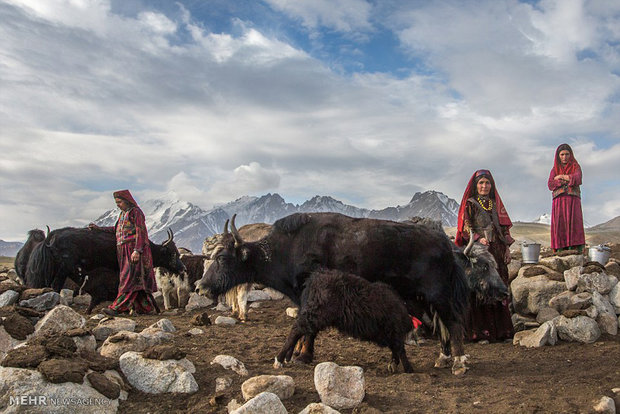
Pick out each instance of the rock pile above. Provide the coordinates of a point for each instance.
(565, 297)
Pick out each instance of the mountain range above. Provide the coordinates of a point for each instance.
(191, 224)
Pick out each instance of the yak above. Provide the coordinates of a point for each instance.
(71, 252)
(369, 311)
(417, 262)
(35, 237)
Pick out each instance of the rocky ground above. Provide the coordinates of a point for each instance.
(567, 377)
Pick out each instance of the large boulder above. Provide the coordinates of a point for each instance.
(339, 387)
(154, 377)
(580, 329)
(531, 294)
(60, 319)
(281, 385)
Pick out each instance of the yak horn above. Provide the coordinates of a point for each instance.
(470, 245)
(48, 230)
(235, 232)
(226, 227)
(170, 237)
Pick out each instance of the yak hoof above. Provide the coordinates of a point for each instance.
(459, 367)
(442, 361)
(392, 367)
(277, 364)
(303, 358)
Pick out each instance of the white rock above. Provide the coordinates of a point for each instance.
(66, 397)
(281, 385)
(42, 302)
(594, 282)
(225, 320)
(545, 334)
(258, 295)
(82, 300)
(121, 342)
(318, 408)
(265, 402)
(66, 297)
(58, 320)
(232, 363)
(196, 331)
(274, 294)
(614, 298)
(222, 384)
(339, 387)
(571, 277)
(155, 377)
(580, 329)
(86, 342)
(606, 405)
(107, 327)
(292, 312)
(165, 325)
(197, 301)
(530, 294)
(8, 298)
(155, 336)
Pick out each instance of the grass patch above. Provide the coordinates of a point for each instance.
(7, 261)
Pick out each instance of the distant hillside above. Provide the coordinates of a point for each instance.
(9, 249)
(611, 225)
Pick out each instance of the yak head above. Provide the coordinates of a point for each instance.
(167, 255)
(481, 272)
(229, 263)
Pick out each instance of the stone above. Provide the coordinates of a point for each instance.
(60, 319)
(319, 408)
(28, 294)
(258, 295)
(43, 302)
(104, 385)
(546, 314)
(614, 298)
(155, 336)
(66, 297)
(165, 325)
(292, 312)
(19, 381)
(545, 334)
(571, 277)
(8, 298)
(530, 294)
(110, 326)
(232, 363)
(339, 387)
(197, 301)
(265, 402)
(591, 282)
(580, 329)
(274, 294)
(195, 331)
(222, 384)
(63, 370)
(121, 342)
(605, 405)
(225, 320)
(612, 269)
(155, 377)
(281, 385)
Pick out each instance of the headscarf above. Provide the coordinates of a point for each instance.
(125, 195)
(470, 191)
(571, 166)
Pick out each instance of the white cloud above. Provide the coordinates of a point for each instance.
(92, 102)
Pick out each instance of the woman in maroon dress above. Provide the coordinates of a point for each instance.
(566, 217)
(137, 279)
(482, 211)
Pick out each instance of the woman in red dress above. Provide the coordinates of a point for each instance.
(137, 279)
(482, 211)
(566, 217)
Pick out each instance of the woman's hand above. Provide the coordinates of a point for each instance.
(484, 241)
(135, 257)
(507, 257)
(562, 177)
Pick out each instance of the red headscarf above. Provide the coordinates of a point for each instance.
(470, 191)
(125, 195)
(571, 166)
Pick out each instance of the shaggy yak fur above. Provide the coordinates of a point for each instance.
(369, 311)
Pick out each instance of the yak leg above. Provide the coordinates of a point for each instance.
(287, 349)
(399, 355)
(307, 348)
(457, 335)
(451, 333)
(298, 346)
(242, 300)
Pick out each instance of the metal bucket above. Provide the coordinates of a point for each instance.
(530, 252)
(599, 254)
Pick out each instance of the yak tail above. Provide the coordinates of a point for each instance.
(438, 325)
(40, 270)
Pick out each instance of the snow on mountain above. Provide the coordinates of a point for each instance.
(543, 219)
(191, 224)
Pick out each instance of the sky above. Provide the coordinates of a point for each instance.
(365, 101)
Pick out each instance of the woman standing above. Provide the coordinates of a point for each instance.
(482, 212)
(133, 250)
(566, 217)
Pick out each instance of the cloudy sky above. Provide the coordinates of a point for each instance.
(366, 101)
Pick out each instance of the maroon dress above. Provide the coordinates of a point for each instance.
(136, 280)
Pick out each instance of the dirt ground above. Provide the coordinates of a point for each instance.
(503, 378)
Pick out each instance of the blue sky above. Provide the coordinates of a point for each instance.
(367, 101)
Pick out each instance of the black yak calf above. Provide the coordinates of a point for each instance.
(365, 310)
(101, 284)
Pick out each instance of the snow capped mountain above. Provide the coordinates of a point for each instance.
(191, 224)
(543, 219)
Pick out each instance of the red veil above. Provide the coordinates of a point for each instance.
(470, 191)
(125, 195)
(570, 167)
